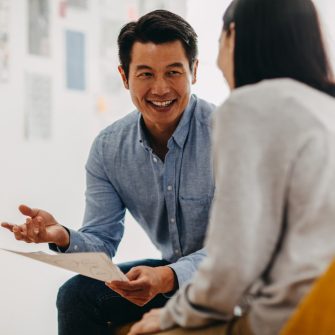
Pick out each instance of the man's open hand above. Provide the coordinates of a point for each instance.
(40, 226)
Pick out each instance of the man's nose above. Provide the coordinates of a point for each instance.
(160, 86)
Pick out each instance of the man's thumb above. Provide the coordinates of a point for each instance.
(133, 274)
(25, 210)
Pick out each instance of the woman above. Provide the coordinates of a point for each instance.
(272, 225)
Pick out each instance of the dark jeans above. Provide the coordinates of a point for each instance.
(88, 306)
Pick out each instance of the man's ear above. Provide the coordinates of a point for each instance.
(124, 77)
(195, 71)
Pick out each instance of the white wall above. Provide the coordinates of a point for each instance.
(50, 174)
(327, 14)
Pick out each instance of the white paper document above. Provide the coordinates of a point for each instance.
(91, 264)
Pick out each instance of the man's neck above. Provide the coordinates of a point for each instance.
(159, 137)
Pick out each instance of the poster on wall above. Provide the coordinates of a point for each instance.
(4, 40)
(75, 60)
(39, 27)
(37, 106)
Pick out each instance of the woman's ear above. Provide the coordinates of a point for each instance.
(195, 71)
(124, 77)
(231, 40)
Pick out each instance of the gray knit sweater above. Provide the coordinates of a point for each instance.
(272, 229)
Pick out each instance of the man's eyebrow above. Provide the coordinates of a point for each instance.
(143, 67)
(177, 64)
(147, 67)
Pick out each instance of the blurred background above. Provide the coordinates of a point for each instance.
(59, 86)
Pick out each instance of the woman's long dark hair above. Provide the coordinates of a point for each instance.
(276, 39)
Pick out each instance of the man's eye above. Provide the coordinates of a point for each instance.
(174, 73)
(145, 74)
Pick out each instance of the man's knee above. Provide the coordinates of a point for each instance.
(82, 292)
(66, 295)
(74, 292)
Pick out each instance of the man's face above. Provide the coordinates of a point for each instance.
(160, 82)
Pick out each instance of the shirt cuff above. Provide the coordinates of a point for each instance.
(183, 273)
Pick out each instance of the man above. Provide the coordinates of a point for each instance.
(156, 163)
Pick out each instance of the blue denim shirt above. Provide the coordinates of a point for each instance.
(170, 199)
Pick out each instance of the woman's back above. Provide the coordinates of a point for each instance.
(276, 196)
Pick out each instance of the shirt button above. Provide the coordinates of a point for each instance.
(172, 220)
(155, 160)
(75, 247)
(169, 188)
(176, 251)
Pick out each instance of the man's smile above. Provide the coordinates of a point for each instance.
(161, 105)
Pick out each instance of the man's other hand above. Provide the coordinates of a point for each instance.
(145, 283)
(40, 226)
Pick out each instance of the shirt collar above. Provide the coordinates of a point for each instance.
(180, 133)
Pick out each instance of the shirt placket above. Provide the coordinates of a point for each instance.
(170, 193)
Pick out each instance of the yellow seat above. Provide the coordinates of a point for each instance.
(315, 313)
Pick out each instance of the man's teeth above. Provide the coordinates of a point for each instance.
(162, 103)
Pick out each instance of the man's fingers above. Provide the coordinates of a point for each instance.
(117, 288)
(41, 227)
(133, 273)
(25, 210)
(7, 225)
(127, 286)
(138, 297)
(30, 229)
(132, 294)
(19, 232)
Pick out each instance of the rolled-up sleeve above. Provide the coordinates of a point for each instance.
(103, 224)
(186, 266)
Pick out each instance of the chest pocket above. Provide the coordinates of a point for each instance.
(194, 214)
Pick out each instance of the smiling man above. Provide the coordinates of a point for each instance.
(156, 163)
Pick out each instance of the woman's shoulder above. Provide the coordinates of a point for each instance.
(281, 100)
(274, 90)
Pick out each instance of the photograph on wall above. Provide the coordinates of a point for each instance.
(75, 60)
(37, 106)
(39, 27)
(4, 41)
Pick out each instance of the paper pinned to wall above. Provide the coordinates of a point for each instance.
(4, 40)
(39, 27)
(75, 60)
(37, 106)
(91, 264)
